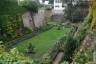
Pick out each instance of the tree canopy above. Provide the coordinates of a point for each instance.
(8, 7)
(31, 6)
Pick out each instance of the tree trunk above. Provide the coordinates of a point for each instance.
(32, 21)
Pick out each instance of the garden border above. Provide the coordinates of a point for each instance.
(25, 37)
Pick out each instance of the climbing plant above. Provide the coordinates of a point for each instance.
(11, 25)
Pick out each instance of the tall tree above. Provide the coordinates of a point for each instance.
(92, 13)
(9, 7)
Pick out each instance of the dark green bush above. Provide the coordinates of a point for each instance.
(73, 29)
(73, 13)
(81, 35)
(44, 28)
(27, 30)
(31, 49)
(69, 47)
(2, 38)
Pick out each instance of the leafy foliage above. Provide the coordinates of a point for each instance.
(46, 59)
(13, 57)
(74, 13)
(8, 7)
(80, 35)
(31, 6)
(31, 48)
(65, 62)
(69, 47)
(84, 57)
(40, 41)
(89, 63)
(11, 25)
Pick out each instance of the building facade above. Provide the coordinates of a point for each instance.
(58, 5)
(45, 2)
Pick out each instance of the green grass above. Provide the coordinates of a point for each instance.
(52, 22)
(43, 41)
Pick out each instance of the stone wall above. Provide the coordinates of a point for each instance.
(27, 19)
(39, 18)
(48, 14)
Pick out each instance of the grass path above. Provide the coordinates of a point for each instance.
(43, 41)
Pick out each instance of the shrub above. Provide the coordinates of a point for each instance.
(69, 47)
(60, 43)
(89, 63)
(2, 38)
(75, 63)
(81, 34)
(73, 29)
(84, 57)
(65, 62)
(44, 28)
(1, 47)
(13, 57)
(27, 30)
(73, 13)
(46, 59)
(76, 15)
(30, 49)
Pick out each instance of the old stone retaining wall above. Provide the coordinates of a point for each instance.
(39, 18)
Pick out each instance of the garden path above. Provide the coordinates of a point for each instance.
(58, 58)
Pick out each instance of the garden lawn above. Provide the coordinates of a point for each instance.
(53, 23)
(43, 41)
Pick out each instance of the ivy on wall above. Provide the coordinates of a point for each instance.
(11, 24)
